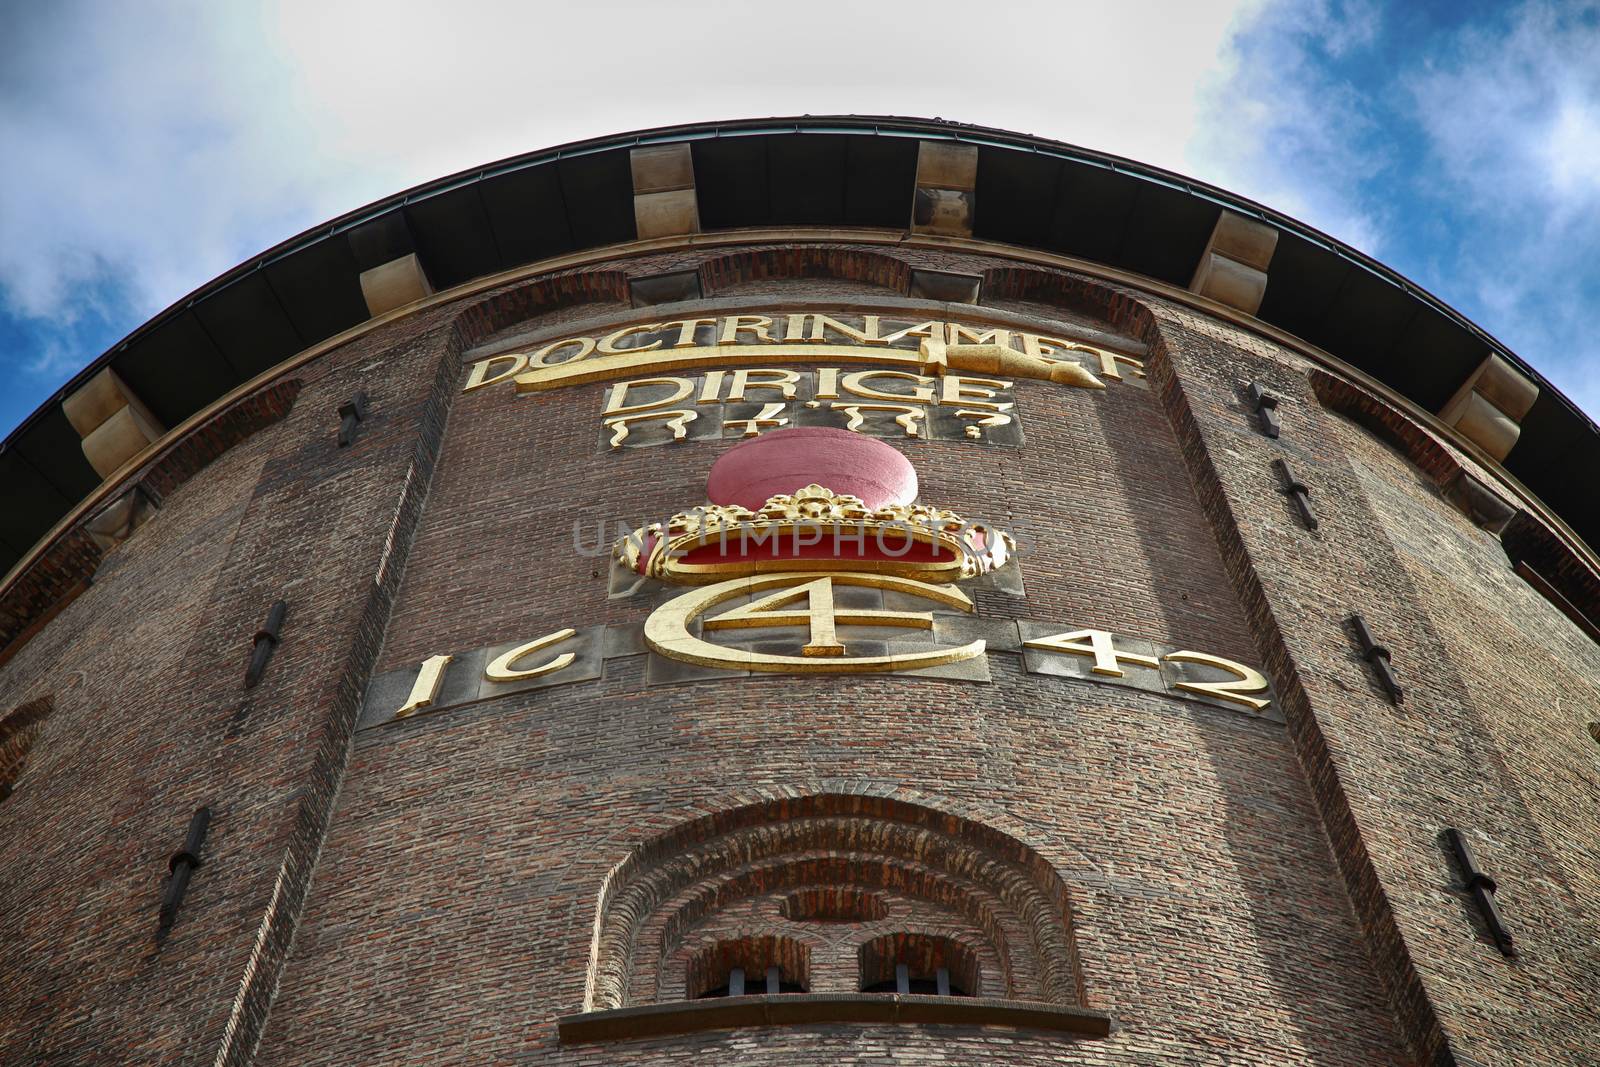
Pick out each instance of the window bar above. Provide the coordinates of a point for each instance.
(1298, 492)
(942, 981)
(1378, 656)
(351, 412)
(1482, 887)
(266, 640)
(774, 980)
(736, 982)
(902, 978)
(1266, 409)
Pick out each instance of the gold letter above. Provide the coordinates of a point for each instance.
(932, 330)
(868, 334)
(768, 417)
(910, 413)
(500, 670)
(480, 370)
(710, 390)
(827, 383)
(681, 387)
(856, 383)
(608, 343)
(686, 329)
(1096, 644)
(782, 380)
(970, 392)
(1109, 361)
(978, 337)
(541, 357)
(426, 687)
(1249, 680)
(666, 630)
(733, 325)
(677, 420)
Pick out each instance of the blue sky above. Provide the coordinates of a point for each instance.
(150, 147)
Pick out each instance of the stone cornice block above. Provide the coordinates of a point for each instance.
(395, 284)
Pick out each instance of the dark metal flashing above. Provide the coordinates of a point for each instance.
(838, 171)
(813, 1009)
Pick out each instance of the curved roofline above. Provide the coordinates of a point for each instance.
(883, 125)
(1031, 193)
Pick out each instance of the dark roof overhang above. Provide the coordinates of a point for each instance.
(830, 171)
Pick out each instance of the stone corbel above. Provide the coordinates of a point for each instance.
(1489, 407)
(664, 203)
(113, 422)
(115, 523)
(394, 284)
(1233, 268)
(947, 177)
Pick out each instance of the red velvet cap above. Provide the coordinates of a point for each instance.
(783, 461)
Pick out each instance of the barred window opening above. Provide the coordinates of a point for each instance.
(750, 966)
(18, 731)
(918, 963)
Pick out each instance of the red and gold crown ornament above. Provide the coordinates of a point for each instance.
(813, 499)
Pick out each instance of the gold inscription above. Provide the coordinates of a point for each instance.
(1097, 645)
(426, 687)
(501, 669)
(667, 629)
(801, 337)
(1239, 691)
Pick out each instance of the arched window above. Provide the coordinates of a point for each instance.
(918, 963)
(836, 899)
(18, 730)
(750, 966)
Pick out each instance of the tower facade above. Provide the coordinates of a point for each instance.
(811, 592)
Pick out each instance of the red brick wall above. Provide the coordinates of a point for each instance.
(152, 720)
(1489, 739)
(1241, 891)
(453, 910)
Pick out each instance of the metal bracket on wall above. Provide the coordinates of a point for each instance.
(351, 412)
(266, 640)
(1298, 493)
(1378, 656)
(1266, 406)
(1482, 887)
(181, 866)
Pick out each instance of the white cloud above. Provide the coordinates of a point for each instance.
(1471, 163)
(1279, 127)
(1572, 150)
(154, 146)
(132, 156)
(1517, 111)
(1511, 122)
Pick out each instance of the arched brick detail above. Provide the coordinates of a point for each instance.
(711, 965)
(1388, 423)
(1120, 308)
(833, 904)
(804, 261)
(983, 883)
(18, 731)
(923, 954)
(965, 904)
(550, 293)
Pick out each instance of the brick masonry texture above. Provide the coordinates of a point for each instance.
(1237, 890)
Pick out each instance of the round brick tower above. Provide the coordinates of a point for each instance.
(802, 592)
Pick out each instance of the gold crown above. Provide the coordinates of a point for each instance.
(814, 529)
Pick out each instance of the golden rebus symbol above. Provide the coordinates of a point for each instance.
(800, 600)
